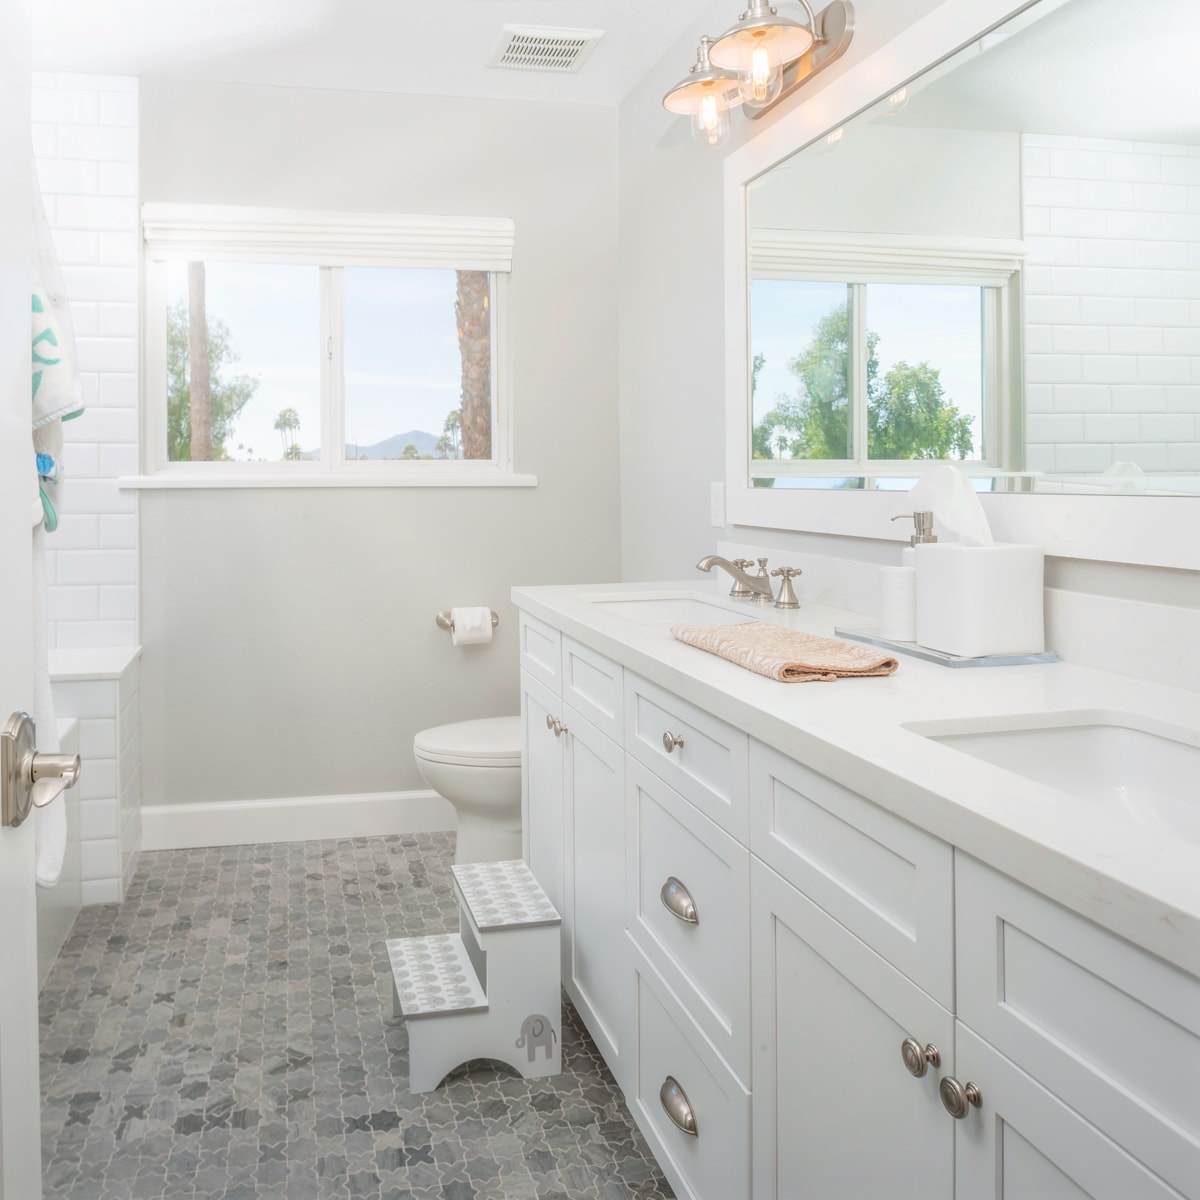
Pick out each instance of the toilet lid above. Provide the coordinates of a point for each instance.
(491, 742)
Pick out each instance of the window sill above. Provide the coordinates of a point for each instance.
(199, 480)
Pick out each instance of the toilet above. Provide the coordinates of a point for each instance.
(476, 765)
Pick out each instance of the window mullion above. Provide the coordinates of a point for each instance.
(858, 374)
(332, 416)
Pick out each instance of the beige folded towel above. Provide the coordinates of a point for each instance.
(785, 654)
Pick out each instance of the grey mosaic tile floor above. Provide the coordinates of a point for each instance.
(226, 1034)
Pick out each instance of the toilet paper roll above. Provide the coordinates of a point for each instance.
(898, 603)
(471, 626)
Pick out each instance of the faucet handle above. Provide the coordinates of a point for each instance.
(763, 597)
(743, 562)
(787, 595)
(739, 590)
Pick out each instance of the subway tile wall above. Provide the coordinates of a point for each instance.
(85, 131)
(1112, 304)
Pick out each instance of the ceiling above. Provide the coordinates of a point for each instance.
(1091, 68)
(439, 47)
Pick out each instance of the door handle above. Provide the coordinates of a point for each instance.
(29, 779)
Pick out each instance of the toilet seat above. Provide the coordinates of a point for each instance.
(491, 742)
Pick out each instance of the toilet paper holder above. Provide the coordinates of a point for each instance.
(445, 622)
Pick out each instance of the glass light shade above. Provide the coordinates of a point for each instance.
(762, 83)
(782, 40)
(710, 124)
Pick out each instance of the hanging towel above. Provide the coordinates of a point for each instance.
(50, 823)
(786, 655)
(56, 383)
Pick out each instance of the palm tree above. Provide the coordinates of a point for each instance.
(451, 428)
(444, 445)
(475, 345)
(287, 421)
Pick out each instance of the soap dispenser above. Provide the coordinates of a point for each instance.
(898, 585)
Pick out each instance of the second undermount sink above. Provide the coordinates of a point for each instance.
(671, 608)
(1124, 765)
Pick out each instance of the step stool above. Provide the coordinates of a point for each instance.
(489, 991)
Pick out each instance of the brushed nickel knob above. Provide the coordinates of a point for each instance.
(670, 741)
(559, 728)
(919, 1059)
(957, 1098)
(551, 721)
(677, 900)
(677, 1106)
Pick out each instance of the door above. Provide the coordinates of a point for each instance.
(20, 1122)
(1022, 1142)
(542, 786)
(599, 966)
(836, 1111)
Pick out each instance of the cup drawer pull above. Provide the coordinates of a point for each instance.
(677, 900)
(677, 1106)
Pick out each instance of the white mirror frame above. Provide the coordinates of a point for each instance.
(1162, 531)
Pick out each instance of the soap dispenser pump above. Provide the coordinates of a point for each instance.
(922, 527)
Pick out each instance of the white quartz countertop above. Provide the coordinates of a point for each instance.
(1123, 872)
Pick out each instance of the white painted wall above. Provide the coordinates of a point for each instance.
(85, 142)
(1112, 295)
(673, 352)
(888, 178)
(289, 641)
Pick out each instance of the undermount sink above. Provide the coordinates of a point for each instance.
(1145, 771)
(666, 609)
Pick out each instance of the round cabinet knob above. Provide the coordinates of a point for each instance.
(677, 1106)
(957, 1098)
(551, 721)
(670, 741)
(917, 1058)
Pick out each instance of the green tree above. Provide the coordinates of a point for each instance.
(452, 428)
(286, 424)
(229, 393)
(410, 451)
(908, 413)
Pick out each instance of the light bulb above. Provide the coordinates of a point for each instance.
(762, 79)
(710, 122)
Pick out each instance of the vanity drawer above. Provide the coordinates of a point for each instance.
(706, 962)
(541, 651)
(714, 1164)
(886, 881)
(706, 764)
(591, 684)
(1109, 1029)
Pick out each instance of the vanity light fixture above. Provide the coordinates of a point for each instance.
(706, 95)
(756, 63)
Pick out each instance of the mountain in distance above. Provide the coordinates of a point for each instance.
(393, 447)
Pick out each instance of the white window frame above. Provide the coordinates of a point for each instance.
(992, 265)
(328, 241)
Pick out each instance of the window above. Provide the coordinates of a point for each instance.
(868, 358)
(316, 348)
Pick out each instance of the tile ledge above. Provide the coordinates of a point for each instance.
(107, 662)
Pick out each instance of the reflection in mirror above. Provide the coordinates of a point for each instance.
(999, 265)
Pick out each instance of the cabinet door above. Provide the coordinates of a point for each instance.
(1022, 1143)
(542, 787)
(836, 1112)
(599, 968)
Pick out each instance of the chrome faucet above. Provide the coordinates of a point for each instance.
(758, 586)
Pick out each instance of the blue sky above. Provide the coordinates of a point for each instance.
(402, 364)
(916, 323)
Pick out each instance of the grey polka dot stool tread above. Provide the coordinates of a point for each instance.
(490, 991)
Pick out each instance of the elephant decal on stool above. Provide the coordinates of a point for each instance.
(536, 1031)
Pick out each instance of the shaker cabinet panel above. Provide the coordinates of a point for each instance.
(689, 909)
(1022, 1143)
(599, 971)
(542, 787)
(699, 755)
(591, 684)
(541, 651)
(887, 881)
(837, 1113)
(1110, 1029)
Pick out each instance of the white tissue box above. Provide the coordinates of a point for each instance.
(978, 600)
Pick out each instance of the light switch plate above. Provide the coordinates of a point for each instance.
(716, 504)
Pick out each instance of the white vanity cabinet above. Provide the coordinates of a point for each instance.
(762, 952)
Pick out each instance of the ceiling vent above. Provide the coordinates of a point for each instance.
(540, 48)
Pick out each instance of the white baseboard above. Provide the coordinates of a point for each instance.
(292, 819)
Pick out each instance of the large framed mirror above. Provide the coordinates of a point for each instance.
(995, 263)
